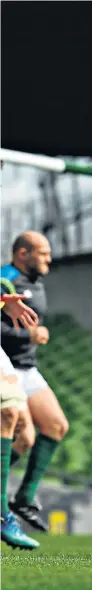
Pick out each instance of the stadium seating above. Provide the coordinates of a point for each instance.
(66, 363)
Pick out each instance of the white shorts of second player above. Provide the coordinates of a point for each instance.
(31, 381)
(11, 393)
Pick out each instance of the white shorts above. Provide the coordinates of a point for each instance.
(31, 381)
(11, 394)
(5, 363)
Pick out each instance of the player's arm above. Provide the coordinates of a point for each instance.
(38, 334)
(15, 307)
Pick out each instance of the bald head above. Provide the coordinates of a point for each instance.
(32, 250)
(35, 239)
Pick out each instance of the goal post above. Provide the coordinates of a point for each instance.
(46, 163)
(51, 195)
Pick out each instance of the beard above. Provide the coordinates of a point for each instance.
(32, 273)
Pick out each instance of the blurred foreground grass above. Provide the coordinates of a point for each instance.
(60, 563)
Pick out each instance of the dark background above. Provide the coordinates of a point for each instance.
(47, 108)
(47, 77)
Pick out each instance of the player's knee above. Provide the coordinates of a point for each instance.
(59, 428)
(26, 429)
(9, 416)
(29, 438)
(33, 437)
(25, 441)
(63, 427)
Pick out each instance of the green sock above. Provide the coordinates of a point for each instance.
(14, 457)
(39, 459)
(6, 444)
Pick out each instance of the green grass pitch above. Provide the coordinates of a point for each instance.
(61, 563)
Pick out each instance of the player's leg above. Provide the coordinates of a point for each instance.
(10, 530)
(9, 417)
(24, 439)
(53, 425)
(48, 416)
(24, 435)
(47, 413)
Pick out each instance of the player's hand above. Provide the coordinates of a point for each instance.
(17, 310)
(39, 335)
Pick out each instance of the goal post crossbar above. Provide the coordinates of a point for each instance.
(46, 163)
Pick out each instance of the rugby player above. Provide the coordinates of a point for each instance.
(31, 258)
(13, 408)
